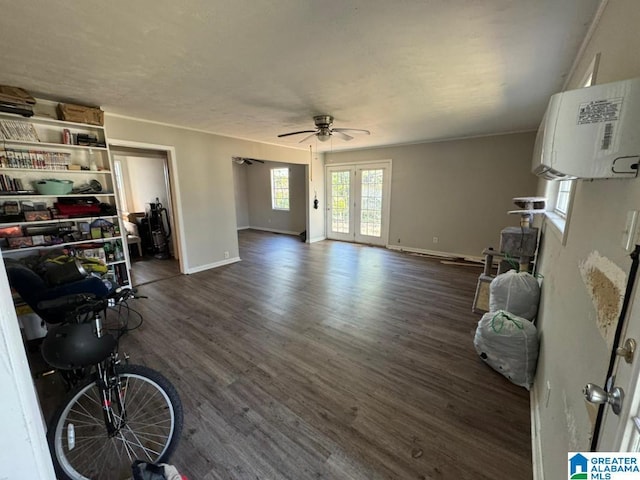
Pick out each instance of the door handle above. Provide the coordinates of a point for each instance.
(627, 350)
(595, 394)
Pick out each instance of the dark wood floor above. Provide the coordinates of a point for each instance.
(331, 361)
(148, 269)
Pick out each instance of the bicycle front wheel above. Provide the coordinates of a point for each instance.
(150, 429)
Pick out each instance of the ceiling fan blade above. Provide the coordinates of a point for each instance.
(296, 133)
(341, 135)
(256, 160)
(353, 130)
(307, 138)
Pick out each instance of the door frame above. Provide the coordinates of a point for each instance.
(386, 202)
(174, 191)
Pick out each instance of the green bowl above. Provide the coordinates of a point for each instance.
(54, 187)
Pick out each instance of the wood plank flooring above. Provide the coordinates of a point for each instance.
(148, 269)
(331, 361)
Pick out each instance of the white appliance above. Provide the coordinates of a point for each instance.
(592, 132)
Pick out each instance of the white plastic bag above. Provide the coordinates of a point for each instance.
(515, 292)
(509, 345)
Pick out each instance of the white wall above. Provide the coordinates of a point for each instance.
(146, 181)
(573, 352)
(23, 448)
(459, 190)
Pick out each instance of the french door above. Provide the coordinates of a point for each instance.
(358, 202)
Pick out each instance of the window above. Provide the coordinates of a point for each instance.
(280, 188)
(563, 196)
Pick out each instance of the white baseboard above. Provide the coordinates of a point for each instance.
(316, 239)
(274, 230)
(244, 228)
(209, 266)
(536, 443)
(435, 253)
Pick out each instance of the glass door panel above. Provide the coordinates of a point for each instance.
(371, 187)
(340, 218)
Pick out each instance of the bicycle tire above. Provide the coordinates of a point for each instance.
(80, 446)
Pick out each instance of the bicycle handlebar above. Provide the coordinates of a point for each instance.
(66, 301)
(80, 303)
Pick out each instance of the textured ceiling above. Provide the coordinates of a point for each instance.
(409, 71)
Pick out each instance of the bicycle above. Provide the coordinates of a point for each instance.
(114, 413)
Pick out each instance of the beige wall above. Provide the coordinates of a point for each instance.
(315, 187)
(573, 352)
(205, 185)
(241, 188)
(261, 215)
(459, 190)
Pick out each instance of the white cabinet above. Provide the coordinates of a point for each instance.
(36, 219)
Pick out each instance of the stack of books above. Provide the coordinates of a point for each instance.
(16, 100)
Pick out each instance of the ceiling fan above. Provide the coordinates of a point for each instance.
(246, 161)
(324, 131)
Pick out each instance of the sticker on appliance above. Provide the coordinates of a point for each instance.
(599, 111)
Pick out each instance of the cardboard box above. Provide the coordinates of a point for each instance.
(15, 95)
(80, 114)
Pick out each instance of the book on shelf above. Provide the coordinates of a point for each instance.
(11, 185)
(35, 159)
(16, 130)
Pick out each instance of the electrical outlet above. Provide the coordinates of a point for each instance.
(226, 254)
(436, 239)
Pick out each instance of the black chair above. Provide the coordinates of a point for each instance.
(34, 289)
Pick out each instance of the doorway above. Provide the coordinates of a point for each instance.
(270, 195)
(358, 202)
(145, 194)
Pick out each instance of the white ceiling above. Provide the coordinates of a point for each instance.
(408, 70)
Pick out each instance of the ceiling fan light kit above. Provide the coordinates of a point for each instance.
(324, 132)
(245, 161)
(323, 136)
